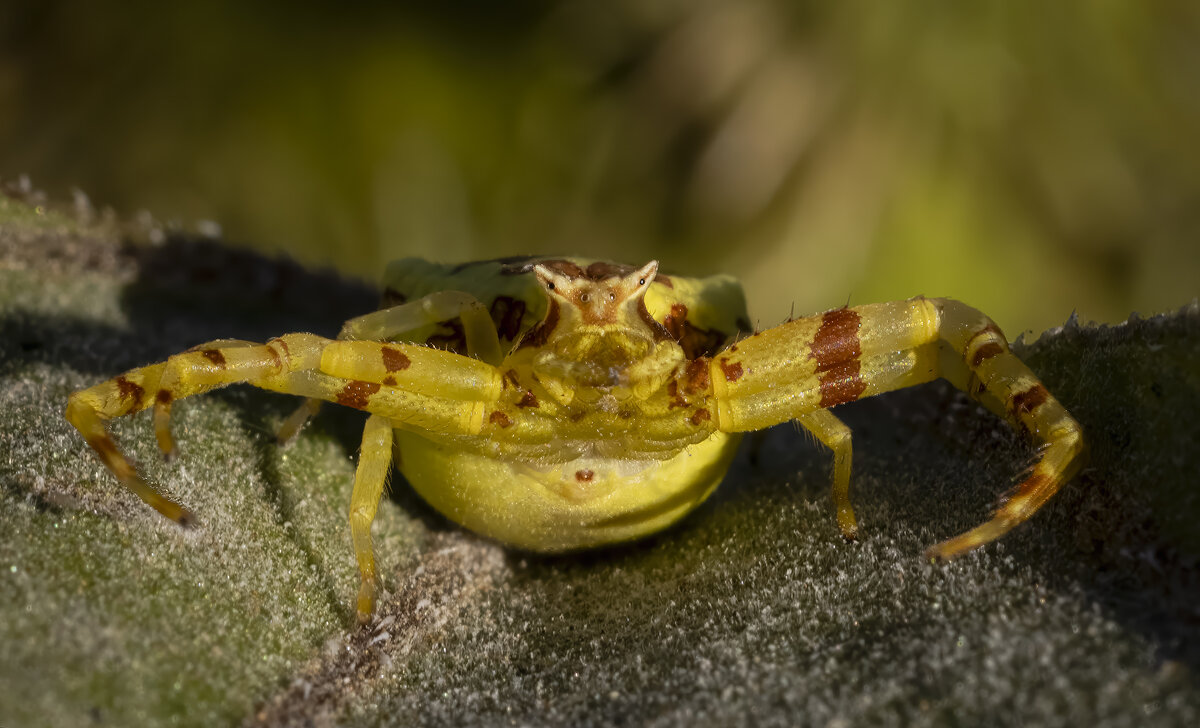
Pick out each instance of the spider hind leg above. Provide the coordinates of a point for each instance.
(835, 435)
(976, 358)
(799, 369)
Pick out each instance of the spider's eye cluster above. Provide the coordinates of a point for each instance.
(641, 281)
(585, 297)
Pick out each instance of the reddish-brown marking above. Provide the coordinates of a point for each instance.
(601, 270)
(563, 268)
(732, 348)
(584, 476)
(287, 350)
(836, 348)
(837, 338)
(701, 342)
(528, 400)
(454, 339)
(696, 376)
(675, 320)
(985, 352)
(278, 360)
(659, 331)
(510, 377)
(129, 390)
(693, 340)
(394, 360)
(540, 334)
(163, 397)
(389, 380)
(1032, 484)
(841, 384)
(991, 329)
(596, 271)
(699, 416)
(673, 393)
(215, 356)
(733, 372)
(357, 393)
(507, 313)
(1029, 400)
(499, 418)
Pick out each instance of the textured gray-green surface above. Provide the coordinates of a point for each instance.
(751, 612)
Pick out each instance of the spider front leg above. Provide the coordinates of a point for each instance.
(411, 385)
(807, 365)
(402, 385)
(195, 371)
(370, 480)
(389, 380)
(393, 323)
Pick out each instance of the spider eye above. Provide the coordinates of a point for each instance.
(550, 285)
(641, 281)
(585, 297)
(612, 296)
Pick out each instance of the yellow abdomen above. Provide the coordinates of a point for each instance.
(575, 505)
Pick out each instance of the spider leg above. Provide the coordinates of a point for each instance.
(374, 466)
(483, 339)
(391, 324)
(835, 435)
(292, 364)
(975, 357)
(296, 421)
(197, 370)
(850, 353)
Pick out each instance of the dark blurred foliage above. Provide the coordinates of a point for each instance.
(1031, 158)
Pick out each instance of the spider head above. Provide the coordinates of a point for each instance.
(598, 337)
(600, 298)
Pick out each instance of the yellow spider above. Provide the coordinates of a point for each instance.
(560, 403)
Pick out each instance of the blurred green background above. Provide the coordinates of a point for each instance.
(1030, 158)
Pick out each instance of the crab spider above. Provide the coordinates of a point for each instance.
(557, 404)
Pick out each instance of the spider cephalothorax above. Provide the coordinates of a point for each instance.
(559, 403)
(598, 342)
